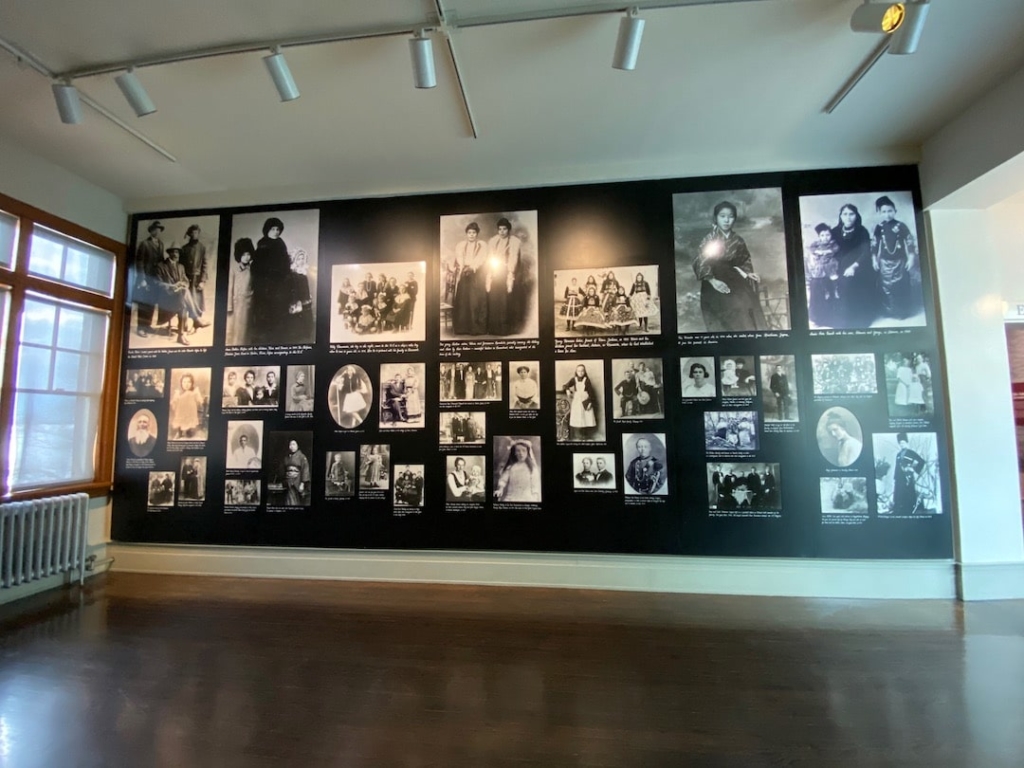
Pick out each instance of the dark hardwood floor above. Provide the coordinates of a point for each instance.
(139, 670)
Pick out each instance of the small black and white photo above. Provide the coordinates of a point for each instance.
(161, 489)
(907, 473)
(644, 464)
(144, 384)
(848, 374)
(174, 283)
(700, 376)
(142, 433)
(608, 301)
(743, 485)
(731, 430)
(350, 396)
(517, 468)
(908, 385)
(244, 445)
(465, 479)
(470, 381)
(299, 383)
(241, 493)
(252, 386)
(781, 401)
(374, 467)
(192, 479)
(408, 484)
(401, 395)
(731, 272)
(840, 437)
(272, 278)
(638, 386)
(579, 405)
(489, 275)
(463, 428)
(524, 385)
(862, 262)
(189, 411)
(287, 469)
(593, 470)
(737, 376)
(844, 495)
(378, 302)
(341, 475)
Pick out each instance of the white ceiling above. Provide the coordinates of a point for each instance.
(719, 88)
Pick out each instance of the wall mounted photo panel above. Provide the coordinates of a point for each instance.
(401, 395)
(840, 437)
(744, 485)
(465, 382)
(638, 387)
(781, 396)
(378, 302)
(245, 445)
(700, 377)
(192, 476)
(645, 464)
(907, 478)
(251, 386)
(844, 496)
(341, 474)
(189, 413)
(844, 374)
(517, 470)
(465, 479)
(607, 301)
(524, 385)
(594, 471)
(350, 396)
(143, 384)
(143, 433)
(579, 401)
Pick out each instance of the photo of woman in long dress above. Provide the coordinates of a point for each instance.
(350, 395)
(413, 400)
(517, 469)
(240, 293)
(857, 300)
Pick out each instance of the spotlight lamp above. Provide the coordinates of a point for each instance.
(281, 75)
(874, 17)
(134, 93)
(627, 46)
(68, 104)
(421, 48)
(905, 40)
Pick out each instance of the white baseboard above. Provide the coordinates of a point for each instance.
(990, 581)
(906, 579)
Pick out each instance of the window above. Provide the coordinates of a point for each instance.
(60, 321)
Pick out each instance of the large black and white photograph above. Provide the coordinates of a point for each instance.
(241, 492)
(463, 428)
(299, 388)
(350, 396)
(379, 302)
(609, 301)
(287, 469)
(908, 385)
(700, 376)
(192, 479)
(862, 264)
(374, 467)
(731, 430)
(781, 398)
(252, 386)
(517, 467)
(244, 445)
(465, 479)
(401, 395)
(579, 405)
(743, 485)
(644, 464)
(737, 377)
(408, 485)
(593, 470)
(638, 386)
(731, 272)
(844, 495)
(840, 437)
(272, 278)
(489, 275)
(461, 382)
(142, 433)
(341, 475)
(524, 385)
(143, 384)
(907, 474)
(849, 374)
(161, 489)
(174, 283)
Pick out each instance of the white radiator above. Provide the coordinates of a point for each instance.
(43, 538)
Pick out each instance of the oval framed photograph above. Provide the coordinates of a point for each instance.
(350, 396)
(840, 437)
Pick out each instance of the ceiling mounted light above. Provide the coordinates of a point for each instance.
(134, 93)
(422, 49)
(874, 17)
(627, 47)
(281, 75)
(906, 38)
(68, 104)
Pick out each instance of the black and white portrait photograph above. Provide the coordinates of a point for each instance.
(638, 387)
(298, 387)
(287, 469)
(144, 384)
(844, 495)
(252, 386)
(174, 283)
(737, 377)
(408, 485)
(731, 430)
(379, 302)
(579, 406)
(908, 385)
(350, 396)
(743, 485)
(489, 275)
(593, 470)
(700, 376)
(907, 473)
(850, 374)
(189, 410)
(461, 382)
(517, 470)
(778, 377)
(374, 467)
(466, 478)
(862, 264)
(644, 464)
(272, 278)
(192, 479)
(341, 475)
(731, 261)
(245, 445)
(161, 489)
(524, 385)
(463, 427)
(840, 437)
(241, 493)
(142, 433)
(608, 301)
(401, 395)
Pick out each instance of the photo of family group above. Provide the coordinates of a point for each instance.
(401, 395)
(908, 384)
(378, 302)
(607, 302)
(579, 406)
(593, 470)
(188, 417)
(639, 389)
(781, 403)
(517, 470)
(731, 430)
(844, 495)
(341, 474)
(462, 382)
(840, 437)
(849, 374)
(463, 427)
(241, 492)
(743, 486)
(143, 384)
(161, 489)
(256, 386)
(408, 484)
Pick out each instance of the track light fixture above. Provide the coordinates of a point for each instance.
(422, 49)
(68, 104)
(876, 17)
(134, 93)
(627, 47)
(905, 39)
(281, 75)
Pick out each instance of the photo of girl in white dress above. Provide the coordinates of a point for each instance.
(517, 470)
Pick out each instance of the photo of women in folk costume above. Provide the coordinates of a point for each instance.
(604, 303)
(579, 408)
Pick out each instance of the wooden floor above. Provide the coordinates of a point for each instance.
(185, 671)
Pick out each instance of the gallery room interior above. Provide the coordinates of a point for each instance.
(598, 384)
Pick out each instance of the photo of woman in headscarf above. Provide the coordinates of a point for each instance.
(857, 300)
(518, 479)
(579, 407)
